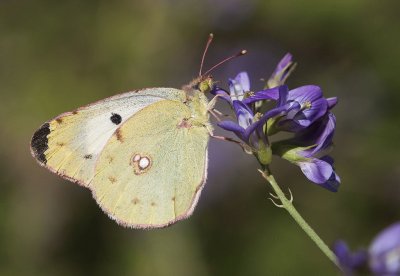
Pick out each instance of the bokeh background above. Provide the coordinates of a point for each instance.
(59, 55)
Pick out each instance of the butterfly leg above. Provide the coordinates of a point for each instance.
(213, 102)
(219, 113)
(213, 111)
(223, 138)
(215, 114)
(227, 139)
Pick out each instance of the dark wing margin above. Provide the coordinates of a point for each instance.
(39, 142)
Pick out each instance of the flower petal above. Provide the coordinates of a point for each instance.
(306, 93)
(309, 115)
(283, 63)
(269, 114)
(320, 133)
(283, 95)
(349, 261)
(332, 102)
(232, 126)
(243, 113)
(282, 71)
(386, 240)
(325, 134)
(221, 93)
(239, 86)
(341, 249)
(385, 251)
(243, 79)
(333, 183)
(292, 109)
(312, 107)
(318, 171)
(266, 94)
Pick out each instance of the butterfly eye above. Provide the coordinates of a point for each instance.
(141, 163)
(206, 85)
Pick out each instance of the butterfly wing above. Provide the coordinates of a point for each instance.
(152, 169)
(70, 144)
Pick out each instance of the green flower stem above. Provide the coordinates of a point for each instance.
(287, 204)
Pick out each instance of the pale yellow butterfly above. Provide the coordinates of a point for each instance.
(143, 154)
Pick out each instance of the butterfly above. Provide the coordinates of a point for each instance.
(143, 153)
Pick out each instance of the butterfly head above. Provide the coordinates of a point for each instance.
(206, 84)
(203, 84)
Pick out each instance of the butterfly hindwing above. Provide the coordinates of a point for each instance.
(70, 144)
(152, 169)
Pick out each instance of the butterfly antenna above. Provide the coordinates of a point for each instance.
(241, 53)
(210, 38)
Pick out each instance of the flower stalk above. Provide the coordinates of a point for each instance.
(288, 206)
(304, 113)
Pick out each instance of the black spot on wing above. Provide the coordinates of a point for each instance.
(116, 118)
(88, 156)
(39, 142)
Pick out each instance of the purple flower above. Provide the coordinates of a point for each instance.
(239, 90)
(249, 127)
(384, 251)
(238, 87)
(305, 105)
(302, 111)
(308, 149)
(382, 258)
(349, 261)
(282, 71)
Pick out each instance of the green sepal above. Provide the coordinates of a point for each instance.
(270, 127)
(290, 152)
(264, 153)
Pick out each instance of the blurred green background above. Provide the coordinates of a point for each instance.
(56, 56)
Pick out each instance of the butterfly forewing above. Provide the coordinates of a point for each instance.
(70, 144)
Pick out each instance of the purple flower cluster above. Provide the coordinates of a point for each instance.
(302, 111)
(381, 258)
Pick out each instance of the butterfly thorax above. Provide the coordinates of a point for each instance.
(197, 101)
